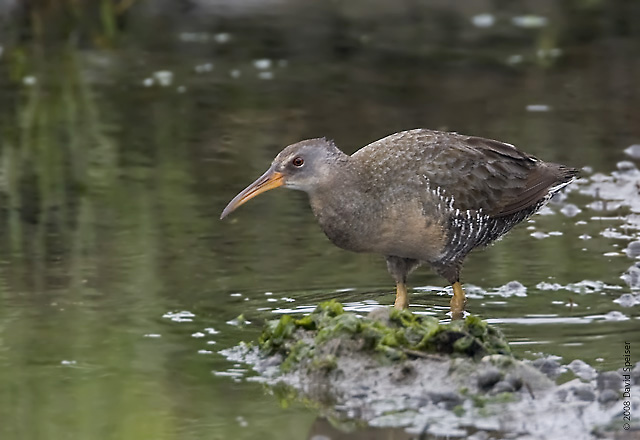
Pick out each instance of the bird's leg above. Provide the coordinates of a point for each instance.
(458, 301)
(402, 299)
(400, 268)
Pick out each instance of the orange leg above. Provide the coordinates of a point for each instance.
(458, 301)
(402, 298)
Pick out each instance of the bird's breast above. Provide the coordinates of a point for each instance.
(347, 226)
(377, 225)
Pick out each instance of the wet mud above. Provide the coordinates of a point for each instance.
(395, 369)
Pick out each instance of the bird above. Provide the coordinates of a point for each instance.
(416, 197)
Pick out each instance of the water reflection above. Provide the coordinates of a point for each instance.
(112, 257)
(324, 429)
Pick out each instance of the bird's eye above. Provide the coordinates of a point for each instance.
(297, 161)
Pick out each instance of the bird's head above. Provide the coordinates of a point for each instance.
(304, 166)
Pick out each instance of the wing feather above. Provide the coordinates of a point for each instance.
(477, 173)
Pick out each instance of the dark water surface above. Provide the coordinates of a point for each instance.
(122, 139)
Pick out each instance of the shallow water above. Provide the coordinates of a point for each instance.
(118, 283)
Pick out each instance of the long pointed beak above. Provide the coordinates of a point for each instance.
(269, 180)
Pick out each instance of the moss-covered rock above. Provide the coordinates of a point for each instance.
(397, 368)
(388, 333)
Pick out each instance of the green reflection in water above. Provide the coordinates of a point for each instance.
(111, 192)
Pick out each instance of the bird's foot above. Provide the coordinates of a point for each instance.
(458, 301)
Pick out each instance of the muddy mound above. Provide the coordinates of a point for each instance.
(396, 369)
(386, 334)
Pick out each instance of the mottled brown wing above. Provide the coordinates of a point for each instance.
(490, 175)
(477, 173)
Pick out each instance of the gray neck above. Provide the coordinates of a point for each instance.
(340, 208)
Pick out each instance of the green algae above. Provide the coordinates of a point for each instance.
(458, 410)
(318, 338)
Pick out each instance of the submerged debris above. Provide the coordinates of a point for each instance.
(632, 276)
(633, 151)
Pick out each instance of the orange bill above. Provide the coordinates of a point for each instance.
(269, 180)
